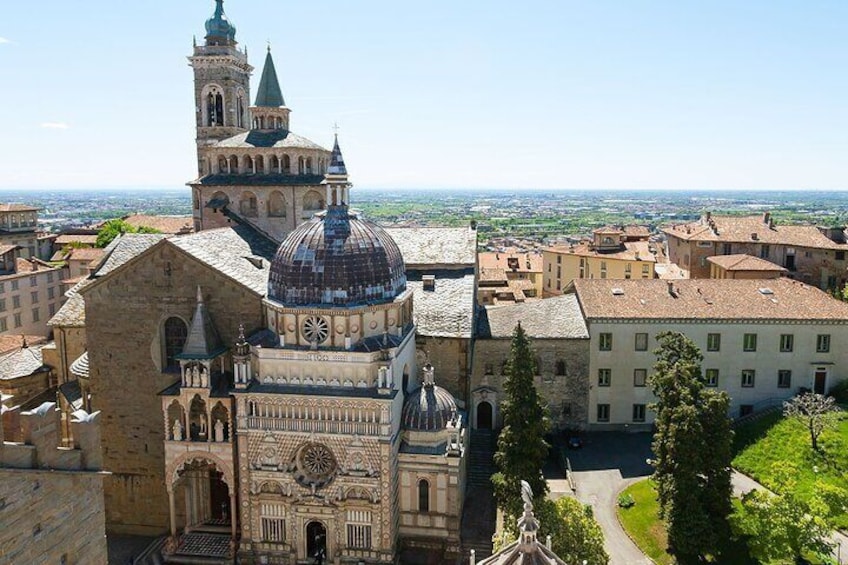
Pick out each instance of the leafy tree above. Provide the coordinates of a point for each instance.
(575, 534)
(522, 449)
(692, 448)
(816, 411)
(780, 527)
(113, 228)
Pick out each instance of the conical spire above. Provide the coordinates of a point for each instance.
(337, 166)
(269, 93)
(203, 341)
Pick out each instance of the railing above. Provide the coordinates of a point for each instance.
(318, 426)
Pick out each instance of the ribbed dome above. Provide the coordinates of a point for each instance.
(428, 409)
(337, 259)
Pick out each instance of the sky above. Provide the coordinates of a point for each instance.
(598, 94)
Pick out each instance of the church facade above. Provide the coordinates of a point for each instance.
(268, 384)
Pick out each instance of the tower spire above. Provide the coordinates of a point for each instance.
(338, 187)
(269, 93)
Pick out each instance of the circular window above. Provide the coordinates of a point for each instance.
(315, 329)
(316, 465)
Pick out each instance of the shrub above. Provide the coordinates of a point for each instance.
(626, 500)
(840, 392)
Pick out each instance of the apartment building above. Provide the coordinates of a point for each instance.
(30, 297)
(811, 254)
(17, 228)
(614, 252)
(763, 341)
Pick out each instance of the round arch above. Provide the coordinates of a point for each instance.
(175, 466)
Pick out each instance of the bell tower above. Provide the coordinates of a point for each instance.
(221, 85)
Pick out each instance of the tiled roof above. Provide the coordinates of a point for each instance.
(552, 318)
(238, 252)
(17, 208)
(492, 275)
(436, 246)
(79, 368)
(164, 224)
(125, 247)
(707, 299)
(22, 363)
(86, 254)
(447, 311)
(259, 180)
(72, 312)
(279, 139)
(744, 262)
(739, 229)
(66, 239)
(8, 248)
(630, 251)
(11, 342)
(526, 262)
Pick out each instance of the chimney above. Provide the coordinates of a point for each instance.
(754, 236)
(671, 289)
(708, 215)
(766, 217)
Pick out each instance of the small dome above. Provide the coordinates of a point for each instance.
(337, 259)
(428, 409)
(218, 27)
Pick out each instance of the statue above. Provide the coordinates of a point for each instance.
(195, 378)
(204, 377)
(203, 424)
(526, 494)
(178, 431)
(219, 431)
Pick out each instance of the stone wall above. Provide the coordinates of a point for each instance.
(449, 357)
(124, 316)
(567, 395)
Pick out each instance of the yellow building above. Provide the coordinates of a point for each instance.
(613, 253)
(510, 276)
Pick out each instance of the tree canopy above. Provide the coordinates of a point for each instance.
(113, 228)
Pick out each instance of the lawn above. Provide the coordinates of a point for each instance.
(776, 440)
(642, 523)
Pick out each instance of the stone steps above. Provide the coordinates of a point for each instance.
(152, 554)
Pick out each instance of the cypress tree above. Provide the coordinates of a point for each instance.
(522, 449)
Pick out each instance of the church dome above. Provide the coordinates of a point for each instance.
(337, 259)
(218, 27)
(428, 409)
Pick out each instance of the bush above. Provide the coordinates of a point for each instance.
(840, 392)
(626, 500)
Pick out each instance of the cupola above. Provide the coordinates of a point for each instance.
(219, 30)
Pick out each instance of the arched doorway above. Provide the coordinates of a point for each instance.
(484, 415)
(316, 541)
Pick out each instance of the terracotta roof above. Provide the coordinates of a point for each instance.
(492, 275)
(744, 262)
(17, 208)
(436, 246)
(85, 254)
(11, 342)
(741, 229)
(707, 299)
(632, 251)
(67, 239)
(8, 248)
(552, 318)
(526, 262)
(164, 224)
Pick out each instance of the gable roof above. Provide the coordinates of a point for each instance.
(126, 247)
(558, 317)
(422, 247)
(22, 363)
(743, 262)
(741, 229)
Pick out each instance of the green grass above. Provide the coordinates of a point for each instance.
(642, 523)
(774, 439)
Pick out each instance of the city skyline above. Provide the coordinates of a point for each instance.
(545, 96)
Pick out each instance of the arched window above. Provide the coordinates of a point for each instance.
(276, 205)
(560, 368)
(423, 496)
(286, 165)
(240, 110)
(248, 205)
(223, 166)
(309, 165)
(301, 165)
(174, 337)
(232, 167)
(274, 164)
(259, 165)
(214, 108)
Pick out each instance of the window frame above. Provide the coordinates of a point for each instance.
(606, 409)
(781, 373)
(607, 381)
(745, 381)
(423, 488)
(641, 409)
(787, 343)
(713, 337)
(636, 344)
(644, 374)
(605, 341)
(749, 342)
(711, 382)
(823, 343)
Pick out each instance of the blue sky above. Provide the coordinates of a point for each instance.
(561, 94)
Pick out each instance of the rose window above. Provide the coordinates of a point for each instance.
(315, 465)
(316, 329)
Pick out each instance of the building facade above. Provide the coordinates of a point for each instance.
(18, 224)
(763, 341)
(811, 254)
(30, 297)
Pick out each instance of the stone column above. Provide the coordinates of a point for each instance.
(173, 510)
(233, 512)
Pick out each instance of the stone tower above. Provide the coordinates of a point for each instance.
(252, 169)
(221, 84)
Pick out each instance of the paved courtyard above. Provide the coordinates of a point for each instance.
(605, 465)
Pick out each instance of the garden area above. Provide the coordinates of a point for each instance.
(776, 451)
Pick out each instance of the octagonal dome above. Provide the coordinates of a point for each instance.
(337, 259)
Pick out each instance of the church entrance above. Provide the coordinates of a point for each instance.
(316, 542)
(220, 498)
(484, 415)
